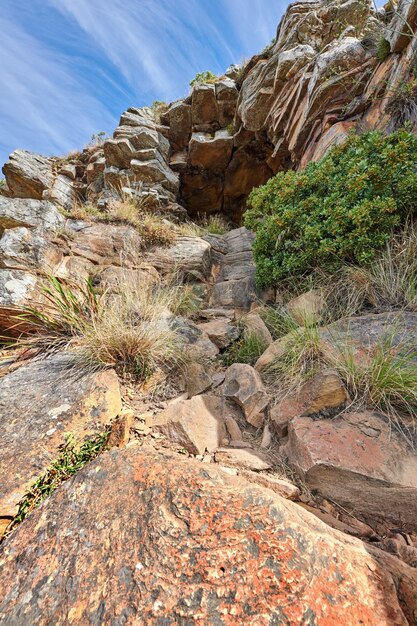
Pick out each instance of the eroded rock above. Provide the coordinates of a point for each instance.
(212, 547)
(51, 398)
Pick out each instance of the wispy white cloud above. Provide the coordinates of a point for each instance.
(42, 105)
(158, 45)
(69, 67)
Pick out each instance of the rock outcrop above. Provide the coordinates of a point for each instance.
(304, 93)
(50, 399)
(139, 537)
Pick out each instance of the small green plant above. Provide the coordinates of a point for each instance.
(231, 128)
(97, 139)
(247, 349)
(71, 459)
(339, 210)
(159, 107)
(383, 49)
(385, 380)
(402, 106)
(278, 322)
(203, 77)
(2, 183)
(300, 359)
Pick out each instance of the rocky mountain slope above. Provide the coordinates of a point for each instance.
(151, 471)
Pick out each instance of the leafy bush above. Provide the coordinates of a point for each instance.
(340, 209)
(203, 77)
(383, 49)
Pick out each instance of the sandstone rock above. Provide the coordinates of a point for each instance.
(120, 151)
(155, 171)
(106, 244)
(307, 308)
(16, 212)
(62, 192)
(236, 294)
(220, 331)
(179, 124)
(357, 337)
(189, 256)
(28, 174)
(196, 379)
(197, 340)
(69, 170)
(358, 461)
(398, 33)
(255, 326)
(211, 153)
(212, 547)
(290, 61)
(179, 161)
(226, 95)
(196, 424)
(39, 403)
(275, 351)
(16, 289)
(204, 108)
(244, 385)
(282, 487)
(120, 430)
(117, 278)
(75, 269)
(247, 459)
(202, 192)
(324, 392)
(22, 248)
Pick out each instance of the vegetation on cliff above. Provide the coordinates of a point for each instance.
(340, 209)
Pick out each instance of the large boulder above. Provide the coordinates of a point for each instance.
(204, 110)
(22, 248)
(211, 153)
(244, 385)
(189, 256)
(15, 212)
(17, 288)
(40, 403)
(197, 424)
(179, 124)
(142, 537)
(28, 174)
(358, 461)
(105, 244)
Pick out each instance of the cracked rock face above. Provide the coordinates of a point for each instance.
(51, 398)
(141, 537)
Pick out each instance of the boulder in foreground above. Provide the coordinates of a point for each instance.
(139, 537)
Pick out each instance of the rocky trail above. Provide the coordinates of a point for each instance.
(152, 471)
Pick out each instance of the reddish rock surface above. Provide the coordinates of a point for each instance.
(142, 538)
(359, 461)
(50, 398)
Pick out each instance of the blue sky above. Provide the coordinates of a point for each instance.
(69, 68)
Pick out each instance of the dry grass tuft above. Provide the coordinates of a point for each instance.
(129, 328)
(210, 225)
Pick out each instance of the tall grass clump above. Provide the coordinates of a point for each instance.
(385, 380)
(128, 328)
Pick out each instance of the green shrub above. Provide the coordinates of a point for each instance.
(247, 349)
(340, 209)
(203, 77)
(383, 49)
